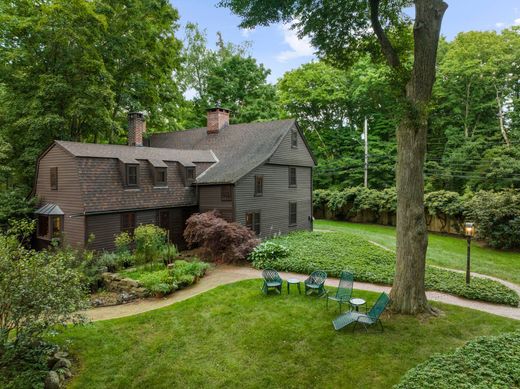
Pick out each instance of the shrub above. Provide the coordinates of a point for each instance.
(267, 251)
(497, 215)
(164, 281)
(225, 241)
(14, 205)
(486, 362)
(169, 253)
(337, 251)
(39, 291)
(149, 243)
(123, 242)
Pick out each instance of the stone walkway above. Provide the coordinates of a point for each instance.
(226, 274)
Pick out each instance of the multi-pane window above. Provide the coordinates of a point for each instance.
(190, 175)
(43, 226)
(160, 176)
(259, 185)
(294, 139)
(226, 193)
(292, 213)
(253, 221)
(54, 178)
(292, 177)
(57, 225)
(131, 175)
(128, 222)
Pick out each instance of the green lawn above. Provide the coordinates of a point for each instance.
(445, 251)
(233, 336)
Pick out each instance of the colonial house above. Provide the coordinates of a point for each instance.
(257, 174)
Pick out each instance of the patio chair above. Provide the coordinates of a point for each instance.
(271, 280)
(367, 320)
(344, 291)
(316, 282)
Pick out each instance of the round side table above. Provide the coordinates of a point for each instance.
(293, 281)
(357, 302)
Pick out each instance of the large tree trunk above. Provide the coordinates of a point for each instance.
(408, 291)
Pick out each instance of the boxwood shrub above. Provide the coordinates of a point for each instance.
(337, 251)
(486, 362)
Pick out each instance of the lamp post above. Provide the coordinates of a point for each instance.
(469, 231)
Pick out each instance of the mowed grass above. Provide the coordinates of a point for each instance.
(445, 251)
(233, 336)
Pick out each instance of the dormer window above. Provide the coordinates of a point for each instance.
(190, 175)
(132, 175)
(161, 176)
(294, 139)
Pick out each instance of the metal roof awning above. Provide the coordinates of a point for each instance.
(49, 210)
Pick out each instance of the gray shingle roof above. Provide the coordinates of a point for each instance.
(130, 154)
(239, 148)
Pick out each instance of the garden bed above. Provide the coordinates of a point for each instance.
(337, 251)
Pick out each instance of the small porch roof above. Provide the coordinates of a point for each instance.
(49, 210)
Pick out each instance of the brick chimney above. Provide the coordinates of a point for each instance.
(136, 128)
(218, 118)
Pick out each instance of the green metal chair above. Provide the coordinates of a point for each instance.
(271, 280)
(367, 320)
(344, 292)
(316, 282)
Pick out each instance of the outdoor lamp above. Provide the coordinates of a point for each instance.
(469, 231)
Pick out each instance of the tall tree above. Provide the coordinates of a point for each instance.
(227, 75)
(340, 29)
(70, 69)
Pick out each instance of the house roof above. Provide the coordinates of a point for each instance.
(130, 154)
(239, 148)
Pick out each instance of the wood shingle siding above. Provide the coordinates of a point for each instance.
(67, 194)
(285, 154)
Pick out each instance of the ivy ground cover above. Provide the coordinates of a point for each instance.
(234, 336)
(337, 251)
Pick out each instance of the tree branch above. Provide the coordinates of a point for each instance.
(386, 46)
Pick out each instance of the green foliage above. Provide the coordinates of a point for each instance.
(71, 69)
(486, 362)
(164, 281)
(14, 205)
(150, 241)
(267, 251)
(497, 216)
(39, 294)
(228, 76)
(338, 251)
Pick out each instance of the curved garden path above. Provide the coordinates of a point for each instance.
(226, 274)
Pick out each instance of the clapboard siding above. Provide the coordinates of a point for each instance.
(274, 204)
(105, 227)
(286, 155)
(68, 196)
(210, 199)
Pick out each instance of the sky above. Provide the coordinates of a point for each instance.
(280, 50)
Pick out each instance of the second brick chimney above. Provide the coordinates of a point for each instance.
(136, 128)
(218, 118)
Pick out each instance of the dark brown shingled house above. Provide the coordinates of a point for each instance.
(258, 174)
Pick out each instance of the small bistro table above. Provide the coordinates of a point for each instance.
(357, 302)
(294, 281)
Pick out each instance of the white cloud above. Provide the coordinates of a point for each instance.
(245, 32)
(517, 21)
(500, 24)
(299, 47)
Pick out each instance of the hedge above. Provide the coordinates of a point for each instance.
(486, 362)
(337, 251)
(496, 214)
